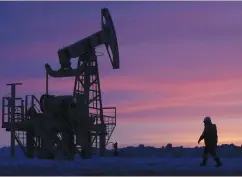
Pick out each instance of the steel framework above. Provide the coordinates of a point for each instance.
(63, 126)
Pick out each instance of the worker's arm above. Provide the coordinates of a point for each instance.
(202, 136)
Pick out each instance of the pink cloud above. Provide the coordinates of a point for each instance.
(184, 100)
(184, 92)
(221, 100)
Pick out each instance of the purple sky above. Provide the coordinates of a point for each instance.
(180, 61)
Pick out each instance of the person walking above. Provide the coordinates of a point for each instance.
(210, 138)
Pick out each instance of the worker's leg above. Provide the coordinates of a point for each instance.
(214, 155)
(205, 156)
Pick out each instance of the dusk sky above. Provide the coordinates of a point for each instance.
(179, 62)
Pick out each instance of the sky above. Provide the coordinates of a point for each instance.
(179, 62)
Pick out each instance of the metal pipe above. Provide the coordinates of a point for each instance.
(47, 83)
(3, 111)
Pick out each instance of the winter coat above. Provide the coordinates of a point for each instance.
(210, 135)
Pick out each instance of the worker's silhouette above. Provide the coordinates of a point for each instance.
(115, 147)
(210, 139)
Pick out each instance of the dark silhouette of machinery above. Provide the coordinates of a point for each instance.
(61, 126)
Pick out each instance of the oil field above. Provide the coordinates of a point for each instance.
(167, 69)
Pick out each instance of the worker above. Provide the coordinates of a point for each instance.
(115, 147)
(210, 138)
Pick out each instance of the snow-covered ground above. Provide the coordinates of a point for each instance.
(132, 161)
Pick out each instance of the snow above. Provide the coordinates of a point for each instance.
(132, 161)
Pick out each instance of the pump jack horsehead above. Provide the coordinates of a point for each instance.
(70, 124)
